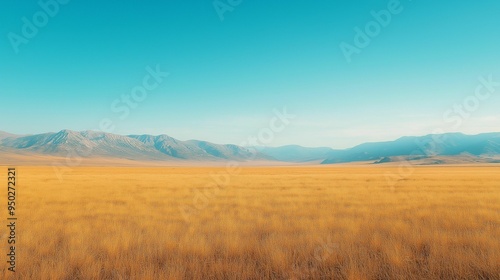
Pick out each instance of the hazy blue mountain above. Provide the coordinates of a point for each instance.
(4, 135)
(450, 144)
(294, 153)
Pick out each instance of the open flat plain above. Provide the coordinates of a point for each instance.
(310, 222)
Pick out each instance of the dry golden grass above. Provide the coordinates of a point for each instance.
(266, 223)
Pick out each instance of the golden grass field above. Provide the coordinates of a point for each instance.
(331, 222)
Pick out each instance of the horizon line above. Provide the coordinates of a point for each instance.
(287, 145)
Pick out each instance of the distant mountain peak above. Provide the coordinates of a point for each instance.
(449, 144)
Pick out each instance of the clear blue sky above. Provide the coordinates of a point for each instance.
(227, 76)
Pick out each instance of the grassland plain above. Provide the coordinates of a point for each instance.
(442, 222)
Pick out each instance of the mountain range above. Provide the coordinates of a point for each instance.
(482, 146)
(429, 149)
(134, 147)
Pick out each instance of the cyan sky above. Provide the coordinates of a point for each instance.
(227, 76)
